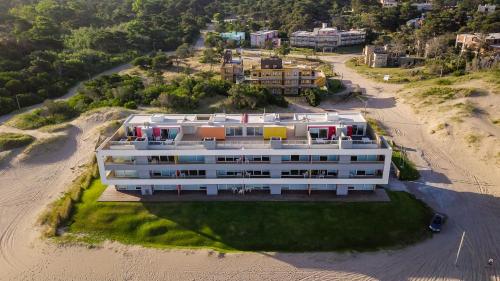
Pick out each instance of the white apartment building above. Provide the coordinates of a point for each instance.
(327, 38)
(270, 153)
(259, 39)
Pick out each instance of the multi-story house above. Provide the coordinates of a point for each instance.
(478, 42)
(327, 38)
(486, 8)
(271, 153)
(262, 38)
(237, 37)
(285, 79)
(388, 3)
(232, 68)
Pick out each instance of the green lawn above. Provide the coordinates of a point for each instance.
(12, 140)
(253, 226)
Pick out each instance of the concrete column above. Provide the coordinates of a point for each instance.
(275, 159)
(141, 159)
(275, 189)
(144, 174)
(275, 173)
(212, 189)
(146, 190)
(344, 159)
(210, 159)
(343, 173)
(342, 189)
(211, 174)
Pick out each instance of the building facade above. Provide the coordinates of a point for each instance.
(285, 79)
(231, 68)
(388, 3)
(237, 37)
(478, 42)
(375, 56)
(327, 38)
(486, 8)
(262, 38)
(272, 153)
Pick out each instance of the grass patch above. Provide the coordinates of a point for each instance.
(56, 128)
(435, 95)
(60, 210)
(376, 127)
(473, 139)
(252, 226)
(397, 75)
(407, 169)
(52, 112)
(10, 141)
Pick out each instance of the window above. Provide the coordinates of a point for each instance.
(234, 131)
(257, 158)
(192, 159)
(321, 158)
(192, 173)
(224, 173)
(357, 130)
(364, 158)
(295, 173)
(295, 158)
(333, 158)
(254, 131)
(318, 133)
(126, 173)
(229, 158)
(123, 159)
(257, 173)
(332, 173)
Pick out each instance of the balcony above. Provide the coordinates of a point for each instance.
(193, 141)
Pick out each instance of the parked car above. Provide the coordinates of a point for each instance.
(437, 222)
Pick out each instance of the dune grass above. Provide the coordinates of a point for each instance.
(407, 169)
(10, 141)
(252, 226)
(60, 210)
(397, 75)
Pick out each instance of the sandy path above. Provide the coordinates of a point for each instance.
(454, 183)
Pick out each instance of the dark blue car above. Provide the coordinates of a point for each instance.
(437, 222)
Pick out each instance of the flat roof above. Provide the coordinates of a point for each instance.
(251, 118)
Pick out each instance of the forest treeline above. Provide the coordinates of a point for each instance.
(47, 46)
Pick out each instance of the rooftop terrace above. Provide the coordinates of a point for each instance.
(245, 131)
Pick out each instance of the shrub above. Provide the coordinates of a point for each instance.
(313, 97)
(11, 140)
(130, 105)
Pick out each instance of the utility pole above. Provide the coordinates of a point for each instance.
(18, 104)
(459, 248)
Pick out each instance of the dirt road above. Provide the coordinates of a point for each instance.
(453, 182)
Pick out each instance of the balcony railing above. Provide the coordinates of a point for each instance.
(143, 143)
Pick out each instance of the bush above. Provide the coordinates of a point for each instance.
(313, 97)
(130, 105)
(143, 62)
(11, 140)
(53, 112)
(334, 86)
(244, 96)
